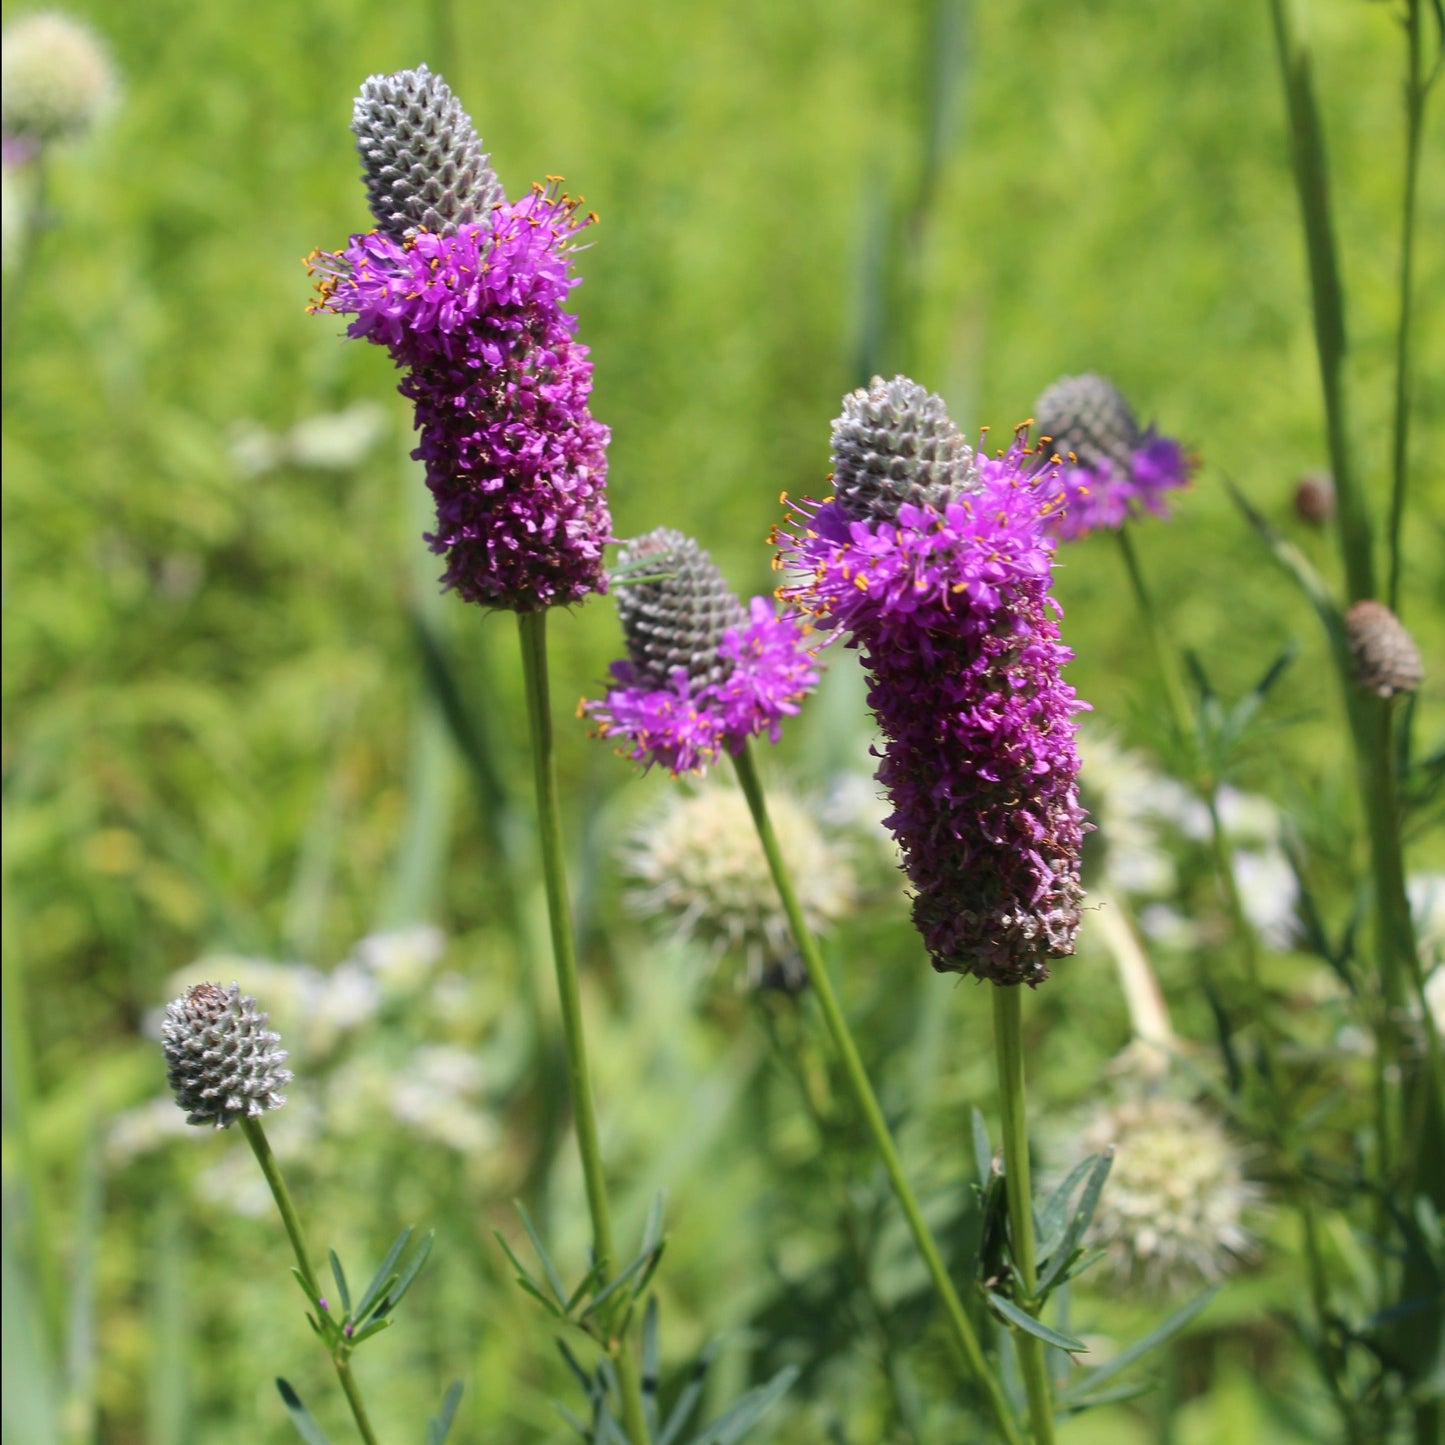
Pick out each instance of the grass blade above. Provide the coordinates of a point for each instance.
(1121, 1362)
(440, 1424)
(306, 1427)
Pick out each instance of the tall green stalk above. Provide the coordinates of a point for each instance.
(532, 629)
(1312, 181)
(261, 1148)
(1416, 88)
(1009, 1052)
(961, 1330)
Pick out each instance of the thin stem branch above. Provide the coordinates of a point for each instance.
(1312, 182)
(1416, 89)
(261, 1148)
(1009, 1051)
(532, 630)
(964, 1337)
(1164, 660)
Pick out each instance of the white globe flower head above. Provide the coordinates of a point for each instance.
(698, 864)
(1174, 1205)
(57, 80)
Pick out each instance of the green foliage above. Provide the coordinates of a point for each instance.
(238, 722)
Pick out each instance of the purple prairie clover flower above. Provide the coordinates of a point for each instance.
(703, 674)
(949, 606)
(1110, 469)
(473, 313)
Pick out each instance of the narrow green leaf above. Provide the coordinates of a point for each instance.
(1156, 1337)
(732, 1426)
(982, 1150)
(381, 1281)
(339, 1275)
(603, 1295)
(591, 1387)
(589, 1281)
(687, 1399)
(408, 1276)
(440, 1424)
(1083, 1214)
(1116, 1396)
(650, 1366)
(1021, 1319)
(1056, 1210)
(306, 1427)
(553, 1278)
(371, 1327)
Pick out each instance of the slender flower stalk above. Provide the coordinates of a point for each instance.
(1417, 89)
(961, 1330)
(1009, 1056)
(532, 627)
(275, 1180)
(224, 1068)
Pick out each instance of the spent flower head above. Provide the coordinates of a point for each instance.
(472, 311)
(702, 673)
(949, 607)
(696, 862)
(1387, 661)
(222, 1062)
(1174, 1205)
(56, 82)
(1110, 469)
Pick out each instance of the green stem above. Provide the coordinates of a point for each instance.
(261, 1148)
(1415, 91)
(1008, 1047)
(962, 1331)
(532, 630)
(1164, 659)
(1312, 182)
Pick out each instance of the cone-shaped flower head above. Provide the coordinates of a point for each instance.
(1174, 1204)
(56, 81)
(675, 614)
(896, 443)
(222, 1062)
(1387, 661)
(465, 291)
(949, 607)
(697, 863)
(1110, 467)
(421, 159)
(703, 673)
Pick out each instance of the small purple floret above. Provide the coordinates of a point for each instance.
(685, 726)
(1099, 497)
(951, 612)
(514, 459)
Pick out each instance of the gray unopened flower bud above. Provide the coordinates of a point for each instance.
(896, 443)
(421, 158)
(1386, 658)
(678, 619)
(56, 79)
(1088, 416)
(222, 1062)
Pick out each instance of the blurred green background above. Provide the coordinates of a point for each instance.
(221, 735)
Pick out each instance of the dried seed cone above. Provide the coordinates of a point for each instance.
(1314, 499)
(1386, 658)
(222, 1062)
(1088, 416)
(679, 620)
(421, 158)
(896, 443)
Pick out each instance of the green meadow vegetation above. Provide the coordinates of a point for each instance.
(245, 738)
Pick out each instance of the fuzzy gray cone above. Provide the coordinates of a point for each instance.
(222, 1062)
(421, 158)
(896, 443)
(679, 619)
(1088, 416)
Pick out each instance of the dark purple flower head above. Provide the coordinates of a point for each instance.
(950, 610)
(703, 674)
(514, 459)
(1109, 468)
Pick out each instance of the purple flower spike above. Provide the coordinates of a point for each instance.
(1109, 469)
(950, 610)
(702, 675)
(473, 314)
